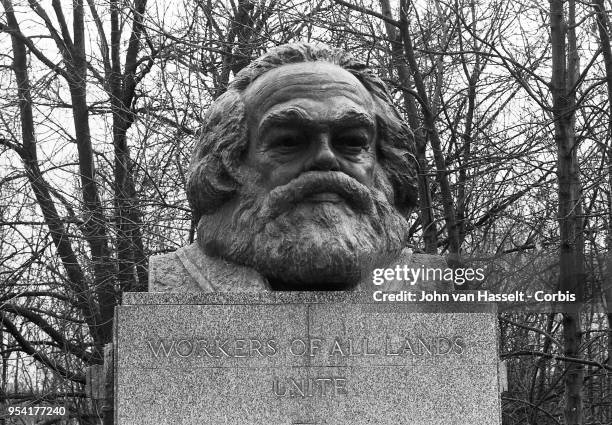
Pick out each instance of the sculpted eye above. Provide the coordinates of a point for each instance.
(354, 143)
(287, 142)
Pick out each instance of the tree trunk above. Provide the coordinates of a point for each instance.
(428, 220)
(571, 245)
(131, 258)
(94, 227)
(28, 154)
(603, 26)
(436, 144)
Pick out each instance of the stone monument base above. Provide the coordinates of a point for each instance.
(303, 359)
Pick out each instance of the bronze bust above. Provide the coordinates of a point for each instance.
(302, 179)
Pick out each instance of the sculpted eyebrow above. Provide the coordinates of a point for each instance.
(296, 116)
(354, 118)
(285, 117)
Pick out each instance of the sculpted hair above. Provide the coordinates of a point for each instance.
(214, 172)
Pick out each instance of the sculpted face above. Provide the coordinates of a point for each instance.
(315, 118)
(315, 211)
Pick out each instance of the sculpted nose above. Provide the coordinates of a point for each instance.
(323, 158)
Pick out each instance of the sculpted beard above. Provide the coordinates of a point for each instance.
(304, 245)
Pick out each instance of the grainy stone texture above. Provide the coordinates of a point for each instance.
(191, 381)
(188, 270)
(303, 178)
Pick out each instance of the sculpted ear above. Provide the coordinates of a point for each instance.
(213, 176)
(397, 160)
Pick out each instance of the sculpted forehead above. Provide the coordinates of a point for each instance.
(308, 80)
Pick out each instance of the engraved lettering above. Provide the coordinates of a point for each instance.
(340, 386)
(184, 348)
(297, 347)
(425, 345)
(254, 346)
(161, 347)
(297, 389)
(337, 348)
(315, 345)
(332, 386)
(272, 346)
(390, 345)
(389, 349)
(407, 348)
(275, 388)
(241, 348)
(459, 345)
(203, 345)
(366, 351)
(324, 381)
(443, 342)
(220, 347)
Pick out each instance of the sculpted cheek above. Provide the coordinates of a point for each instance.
(281, 176)
(382, 183)
(361, 170)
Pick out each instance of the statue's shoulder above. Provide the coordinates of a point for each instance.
(426, 260)
(423, 272)
(188, 269)
(168, 274)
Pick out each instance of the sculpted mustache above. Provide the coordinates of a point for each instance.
(284, 197)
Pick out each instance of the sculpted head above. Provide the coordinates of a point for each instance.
(304, 170)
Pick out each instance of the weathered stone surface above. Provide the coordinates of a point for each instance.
(303, 178)
(187, 270)
(375, 378)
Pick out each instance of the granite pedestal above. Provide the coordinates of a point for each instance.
(303, 358)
